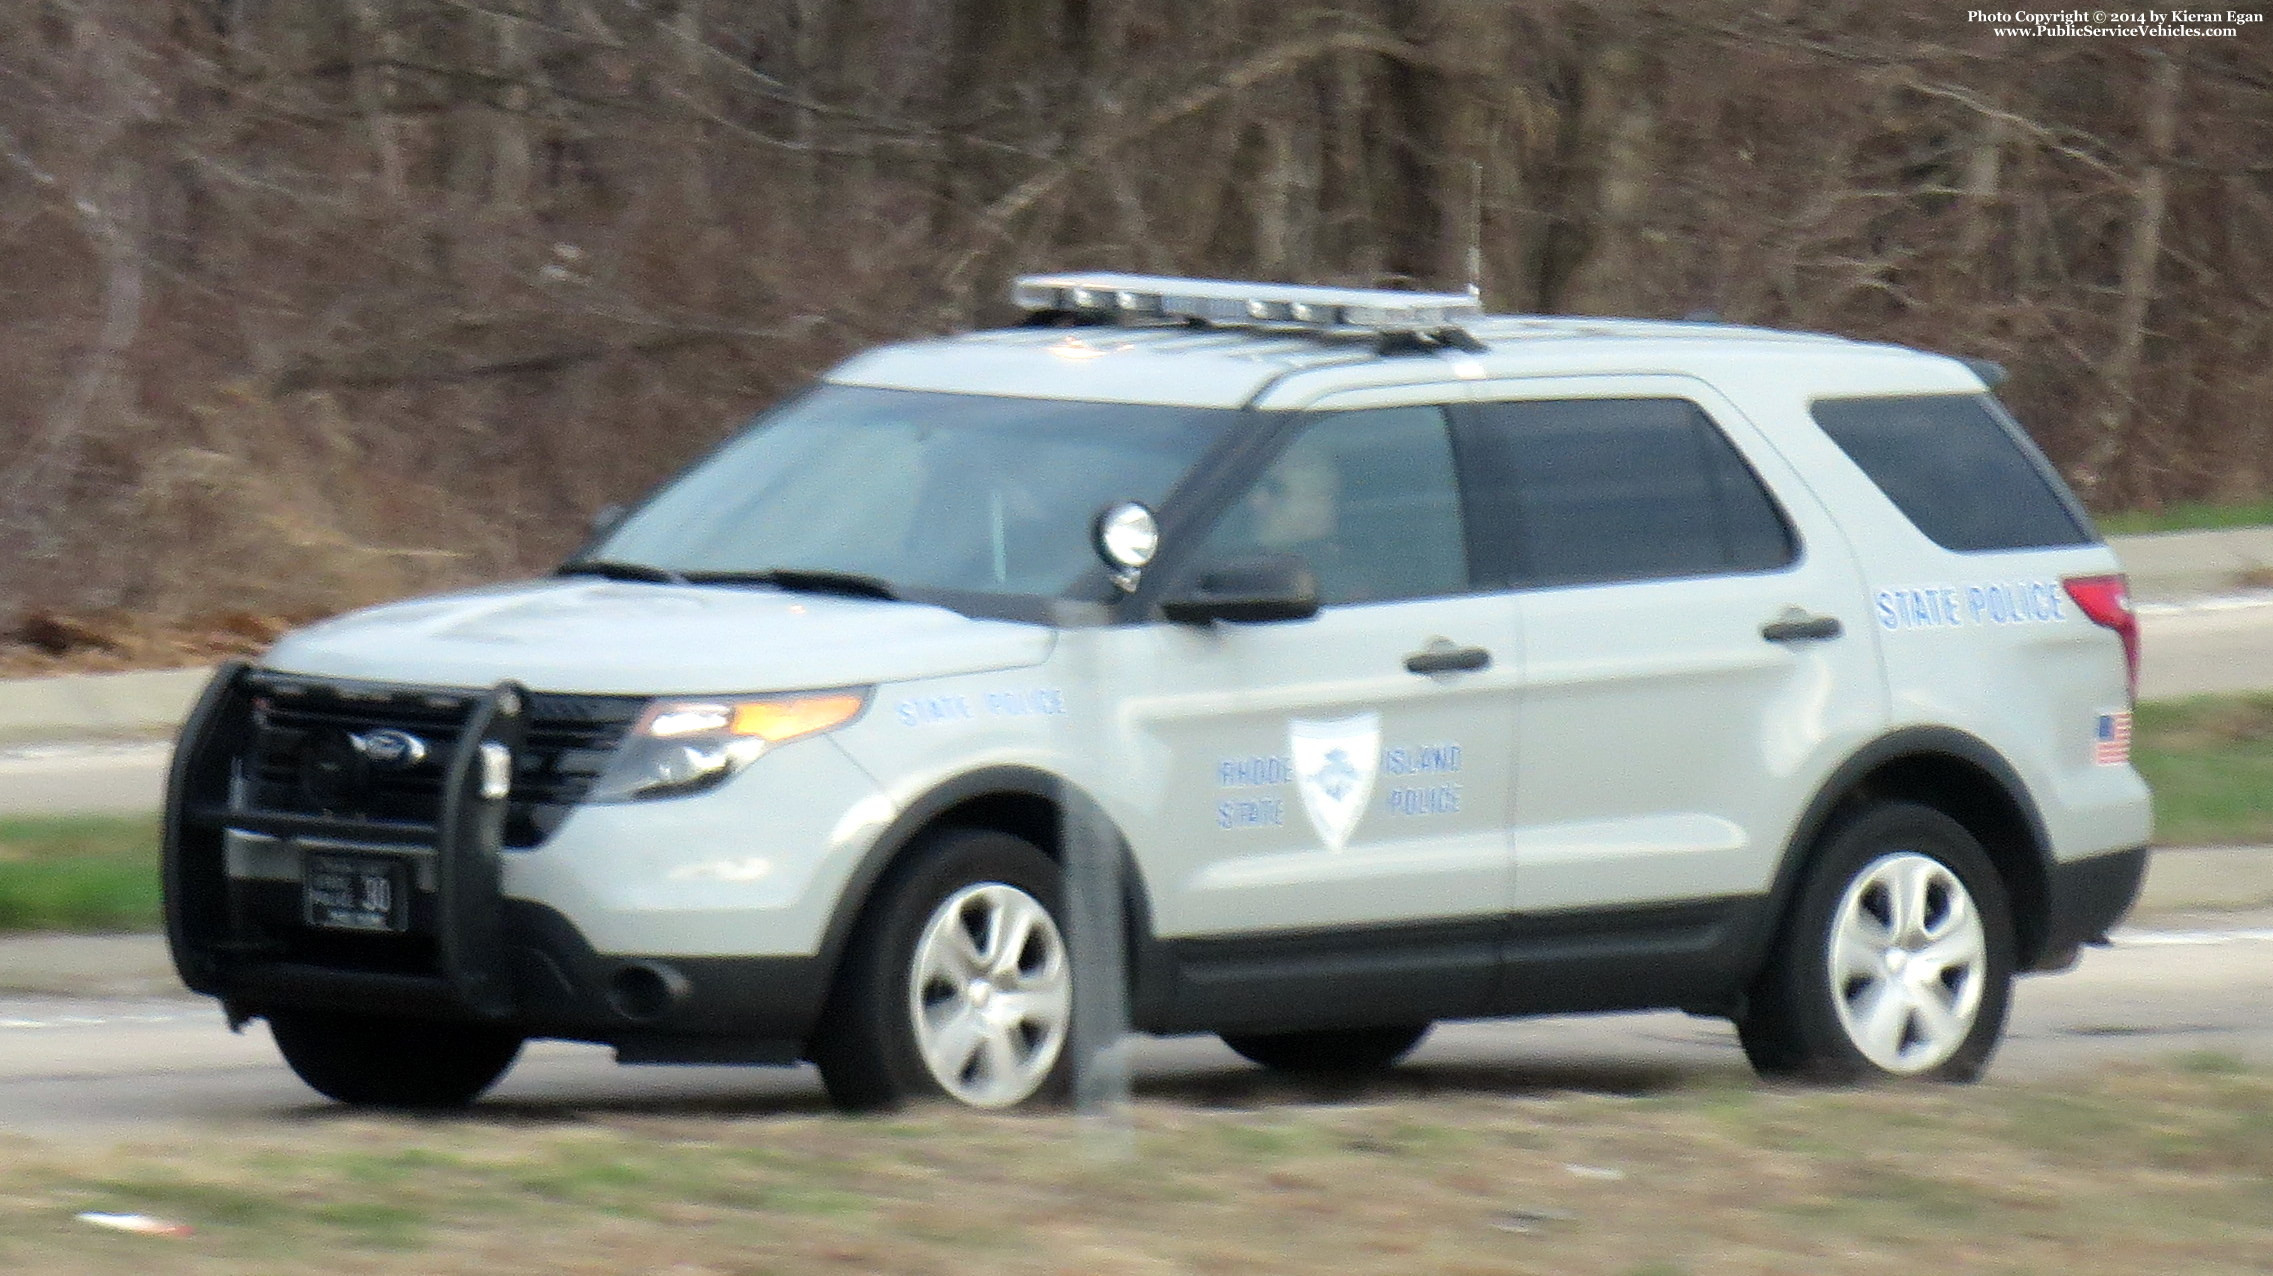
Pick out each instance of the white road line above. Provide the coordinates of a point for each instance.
(2186, 938)
(136, 751)
(87, 1021)
(2215, 602)
(78, 1017)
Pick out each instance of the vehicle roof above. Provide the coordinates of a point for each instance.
(1281, 367)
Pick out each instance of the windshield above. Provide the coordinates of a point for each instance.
(915, 490)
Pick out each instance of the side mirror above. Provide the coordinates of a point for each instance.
(1271, 587)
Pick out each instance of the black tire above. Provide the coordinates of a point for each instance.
(1329, 1051)
(867, 1046)
(1889, 1016)
(382, 1062)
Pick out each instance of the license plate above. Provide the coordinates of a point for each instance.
(357, 892)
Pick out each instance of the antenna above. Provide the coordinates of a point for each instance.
(1476, 231)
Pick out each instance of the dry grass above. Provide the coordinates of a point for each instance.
(274, 507)
(50, 644)
(2147, 1169)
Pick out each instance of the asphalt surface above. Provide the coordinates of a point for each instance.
(116, 1067)
(110, 778)
(2204, 646)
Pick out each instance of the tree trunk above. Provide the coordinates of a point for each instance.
(2118, 413)
(1983, 168)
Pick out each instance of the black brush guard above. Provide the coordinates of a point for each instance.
(219, 954)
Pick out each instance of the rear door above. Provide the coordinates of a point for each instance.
(1694, 645)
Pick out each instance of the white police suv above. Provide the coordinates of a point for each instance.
(1421, 664)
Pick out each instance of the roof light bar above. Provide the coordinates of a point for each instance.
(1127, 298)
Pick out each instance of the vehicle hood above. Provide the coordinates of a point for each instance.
(601, 637)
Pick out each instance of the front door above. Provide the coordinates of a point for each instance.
(1346, 771)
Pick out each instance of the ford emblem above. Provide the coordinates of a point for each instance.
(390, 750)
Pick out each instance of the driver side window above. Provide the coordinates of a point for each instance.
(1368, 498)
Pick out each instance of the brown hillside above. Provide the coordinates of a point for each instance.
(311, 302)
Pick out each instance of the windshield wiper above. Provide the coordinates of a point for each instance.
(609, 569)
(802, 580)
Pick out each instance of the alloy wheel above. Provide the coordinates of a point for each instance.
(991, 995)
(1907, 962)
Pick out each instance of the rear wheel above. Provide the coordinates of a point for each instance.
(384, 1062)
(957, 984)
(1897, 961)
(1329, 1050)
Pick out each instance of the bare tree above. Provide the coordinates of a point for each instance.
(315, 302)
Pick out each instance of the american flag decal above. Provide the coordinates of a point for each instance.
(2111, 742)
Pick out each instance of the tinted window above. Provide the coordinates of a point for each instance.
(1956, 467)
(1567, 492)
(1369, 498)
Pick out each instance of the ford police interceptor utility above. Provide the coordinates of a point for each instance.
(1427, 665)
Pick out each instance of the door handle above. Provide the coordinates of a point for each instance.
(1797, 626)
(1441, 656)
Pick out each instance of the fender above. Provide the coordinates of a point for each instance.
(1843, 784)
(1149, 971)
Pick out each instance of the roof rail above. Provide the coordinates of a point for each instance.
(1402, 320)
(1991, 372)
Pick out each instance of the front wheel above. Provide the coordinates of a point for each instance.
(384, 1062)
(1897, 961)
(957, 982)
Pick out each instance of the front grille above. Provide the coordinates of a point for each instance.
(302, 759)
(570, 741)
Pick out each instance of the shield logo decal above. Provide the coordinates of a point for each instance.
(1335, 763)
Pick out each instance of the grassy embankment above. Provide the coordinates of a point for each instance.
(79, 872)
(2141, 1169)
(2187, 516)
(2210, 760)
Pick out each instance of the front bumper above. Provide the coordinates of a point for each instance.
(469, 953)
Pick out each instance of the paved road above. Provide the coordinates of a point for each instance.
(51, 779)
(114, 1068)
(2205, 646)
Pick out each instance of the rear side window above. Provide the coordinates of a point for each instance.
(1569, 492)
(1958, 469)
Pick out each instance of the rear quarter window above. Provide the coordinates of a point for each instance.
(1958, 469)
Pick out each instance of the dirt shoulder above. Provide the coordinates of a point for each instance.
(54, 644)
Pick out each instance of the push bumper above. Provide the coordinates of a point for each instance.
(468, 953)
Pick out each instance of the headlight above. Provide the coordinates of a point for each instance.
(686, 746)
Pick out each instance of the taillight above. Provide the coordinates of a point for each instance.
(2107, 601)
